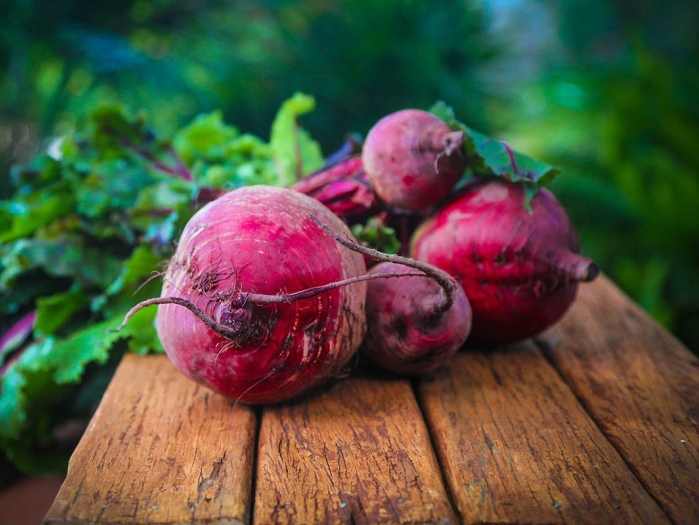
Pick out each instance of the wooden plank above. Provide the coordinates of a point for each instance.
(640, 385)
(517, 447)
(358, 453)
(160, 449)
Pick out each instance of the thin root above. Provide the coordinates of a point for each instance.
(445, 280)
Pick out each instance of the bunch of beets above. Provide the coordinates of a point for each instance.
(269, 294)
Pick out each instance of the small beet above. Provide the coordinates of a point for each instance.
(413, 159)
(416, 320)
(408, 333)
(520, 269)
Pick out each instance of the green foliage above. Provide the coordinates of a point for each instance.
(376, 234)
(175, 59)
(297, 152)
(87, 233)
(612, 103)
(488, 157)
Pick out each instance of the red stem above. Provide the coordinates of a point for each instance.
(511, 154)
(444, 280)
(180, 170)
(243, 298)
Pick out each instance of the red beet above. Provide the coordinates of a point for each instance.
(416, 321)
(241, 311)
(519, 269)
(413, 159)
(412, 327)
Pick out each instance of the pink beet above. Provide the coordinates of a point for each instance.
(413, 159)
(519, 269)
(250, 305)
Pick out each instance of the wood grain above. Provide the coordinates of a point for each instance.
(598, 422)
(160, 449)
(358, 453)
(517, 447)
(640, 385)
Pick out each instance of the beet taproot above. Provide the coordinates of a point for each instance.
(520, 269)
(413, 159)
(412, 328)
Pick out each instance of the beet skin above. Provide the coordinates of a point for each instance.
(413, 159)
(411, 328)
(253, 241)
(519, 269)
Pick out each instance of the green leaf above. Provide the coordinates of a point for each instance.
(54, 311)
(24, 215)
(116, 136)
(111, 131)
(41, 379)
(70, 356)
(67, 256)
(109, 187)
(488, 157)
(141, 333)
(205, 137)
(496, 158)
(50, 361)
(375, 234)
(142, 265)
(295, 152)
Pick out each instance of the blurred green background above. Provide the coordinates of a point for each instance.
(606, 90)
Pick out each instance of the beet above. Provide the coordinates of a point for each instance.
(251, 305)
(520, 269)
(412, 329)
(413, 159)
(416, 320)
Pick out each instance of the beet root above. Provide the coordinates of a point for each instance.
(416, 320)
(519, 269)
(243, 261)
(408, 334)
(413, 159)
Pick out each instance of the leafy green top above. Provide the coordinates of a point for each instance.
(488, 157)
(80, 239)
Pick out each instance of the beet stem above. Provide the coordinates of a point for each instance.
(244, 297)
(448, 284)
(511, 155)
(452, 142)
(222, 329)
(316, 290)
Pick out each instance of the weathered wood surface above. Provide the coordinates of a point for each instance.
(641, 386)
(517, 447)
(595, 422)
(359, 453)
(160, 449)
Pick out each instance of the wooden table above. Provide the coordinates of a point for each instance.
(596, 421)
